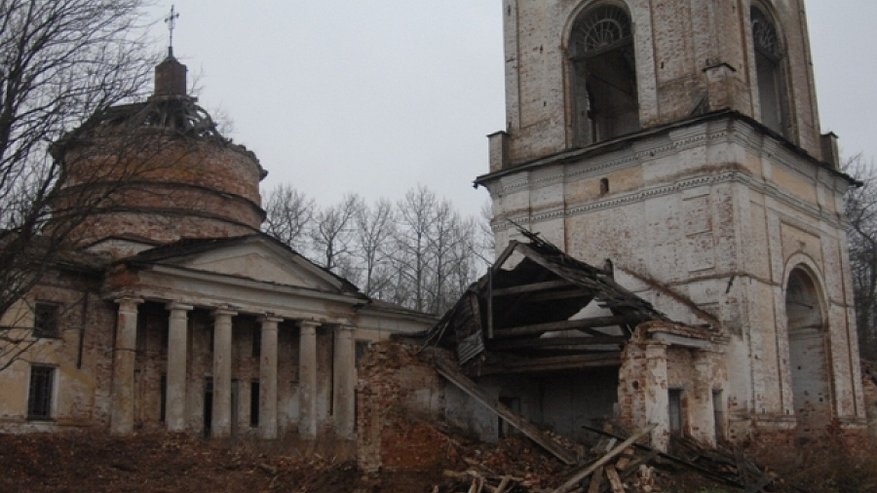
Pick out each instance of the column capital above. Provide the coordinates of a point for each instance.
(177, 306)
(346, 330)
(128, 300)
(270, 318)
(309, 324)
(220, 312)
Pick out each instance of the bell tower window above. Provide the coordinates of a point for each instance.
(768, 70)
(603, 90)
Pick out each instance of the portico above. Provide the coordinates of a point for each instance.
(234, 355)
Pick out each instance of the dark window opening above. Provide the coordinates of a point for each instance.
(604, 88)
(208, 406)
(604, 186)
(46, 320)
(514, 404)
(254, 404)
(39, 399)
(359, 351)
(163, 398)
(719, 415)
(675, 411)
(768, 71)
(257, 342)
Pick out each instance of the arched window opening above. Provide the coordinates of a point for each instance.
(768, 70)
(604, 92)
(808, 362)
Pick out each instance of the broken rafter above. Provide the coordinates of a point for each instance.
(553, 363)
(584, 324)
(532, 287)
(557, 342)
(584, 473)
(453, 375)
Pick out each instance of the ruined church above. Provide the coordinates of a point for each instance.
(670, 253)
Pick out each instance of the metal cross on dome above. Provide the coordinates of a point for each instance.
(171, 21)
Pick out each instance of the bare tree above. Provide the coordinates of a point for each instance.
(62, 62)
(374, 231)
(289, 216)
(332, 235)
(861, 211)
(411, 254)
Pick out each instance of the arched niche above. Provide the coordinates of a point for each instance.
(806, 324)
(603, 95)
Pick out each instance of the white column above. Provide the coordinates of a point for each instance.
(307, 379)
(221, 422)
(657, 397)
(122, 412)
(344, 385)
(175, 397)
(268, 378)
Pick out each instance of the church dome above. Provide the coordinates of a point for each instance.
(156, 171)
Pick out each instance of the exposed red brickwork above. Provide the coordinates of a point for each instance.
(163, 188)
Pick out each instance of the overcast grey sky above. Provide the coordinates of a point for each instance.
(377, 96)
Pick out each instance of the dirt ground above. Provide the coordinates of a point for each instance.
(161, 462)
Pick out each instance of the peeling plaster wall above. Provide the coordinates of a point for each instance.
(719, 214)
(80, 393)
(650, 370)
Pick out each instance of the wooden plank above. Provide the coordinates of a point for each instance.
(559, 295)
(531, 287)
(582, 324)
(584, 473)
(677, 460)
(552, 342)
(596, 481)
(554, 363)
(453, 375)
(614, 481)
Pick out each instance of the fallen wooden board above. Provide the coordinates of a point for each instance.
(584, 473)
(454, 375)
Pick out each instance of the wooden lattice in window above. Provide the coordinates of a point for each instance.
(39, 399)
(603, 28)
(764, 35)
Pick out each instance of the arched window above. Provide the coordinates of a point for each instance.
(768, 71)
(808, 358)
(604, 92)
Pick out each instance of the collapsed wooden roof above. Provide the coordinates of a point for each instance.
(549, 312)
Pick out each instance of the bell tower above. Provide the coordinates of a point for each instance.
(681, 141)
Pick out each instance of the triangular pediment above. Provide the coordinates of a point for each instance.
(255, 258)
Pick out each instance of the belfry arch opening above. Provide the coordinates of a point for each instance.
(769, 71)
(808, 358)
(604, 101)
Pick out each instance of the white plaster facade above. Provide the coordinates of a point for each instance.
(704, 211)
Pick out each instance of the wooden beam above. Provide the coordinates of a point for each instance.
(584, 473)
(582, 324)
(529, 288)
(553, 363)
(455, 376)
(559, 295)
(556, 342)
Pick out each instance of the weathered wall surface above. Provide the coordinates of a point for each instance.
(719, 215)
(81, 356)
(689, 56)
